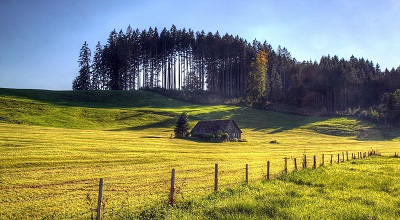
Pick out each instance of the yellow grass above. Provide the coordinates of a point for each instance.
(51, 171)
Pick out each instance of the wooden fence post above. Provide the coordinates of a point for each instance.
(315, 162)
(347, 155)
(305, 161)
(323, 160)
(331, 158)
(268, 170)
(338, 158)
(100, 199)
(216, 178)
(172, 189)
(247, 173)
(285, 170)
(295, 163)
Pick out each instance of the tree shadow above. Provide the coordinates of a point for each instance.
(161, 124)
(95, 99)
(245, 117)
(259, 120)
(378, 134)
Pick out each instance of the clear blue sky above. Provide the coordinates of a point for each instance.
(40, 39)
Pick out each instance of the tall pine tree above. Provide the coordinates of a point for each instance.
(98, 78)
(82, 81)
(276, 86)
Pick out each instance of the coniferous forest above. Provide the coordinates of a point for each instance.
(199, 64)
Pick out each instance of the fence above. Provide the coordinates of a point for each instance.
(340, 157)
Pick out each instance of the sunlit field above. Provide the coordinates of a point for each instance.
(54, 147)
(360, 189)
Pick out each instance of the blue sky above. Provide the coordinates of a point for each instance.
(40, 40)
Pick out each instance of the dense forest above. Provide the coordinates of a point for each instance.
(199, 63)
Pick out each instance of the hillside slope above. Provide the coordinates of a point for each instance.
(127, 142)
(136, 110)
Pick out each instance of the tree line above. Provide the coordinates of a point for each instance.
(184, 60)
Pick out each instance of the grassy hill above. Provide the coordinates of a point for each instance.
(55, 145)
(135, 110)
(85, 109)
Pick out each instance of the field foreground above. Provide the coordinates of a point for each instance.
(55, 146)
(53, 172)
(360, 189)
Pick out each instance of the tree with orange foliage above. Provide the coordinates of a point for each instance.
(256, 81)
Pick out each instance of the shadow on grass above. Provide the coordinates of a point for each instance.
(379, 134)
(95, 99)
(245, 117)
(259, 120)
(168, 123)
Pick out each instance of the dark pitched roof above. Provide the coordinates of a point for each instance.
(213, 126)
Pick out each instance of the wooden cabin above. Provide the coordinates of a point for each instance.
(212, 127)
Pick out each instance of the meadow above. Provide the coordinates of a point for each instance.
(360, 189)
(55, 145)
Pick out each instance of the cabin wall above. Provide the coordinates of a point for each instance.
(233, 132)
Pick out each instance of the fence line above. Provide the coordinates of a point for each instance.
(268, 176)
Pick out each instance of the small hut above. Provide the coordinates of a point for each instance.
(213, 127)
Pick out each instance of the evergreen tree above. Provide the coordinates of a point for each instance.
(182, 126)
(112, 62)
(276, 86)
(390, 107)
(192, 86)
(256, 82)
(97, 81)
(82, 81)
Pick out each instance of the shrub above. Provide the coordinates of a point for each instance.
(219, 134)
(207, 136)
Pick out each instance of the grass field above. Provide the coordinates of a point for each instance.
(360, 189)
(54, 147)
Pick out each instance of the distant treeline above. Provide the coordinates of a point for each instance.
(180, 59)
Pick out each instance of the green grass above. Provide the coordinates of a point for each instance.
(55, 145)
(338, 126)
(361, 189)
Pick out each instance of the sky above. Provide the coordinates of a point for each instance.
(40, 40)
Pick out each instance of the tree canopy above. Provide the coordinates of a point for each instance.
(184, 60)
